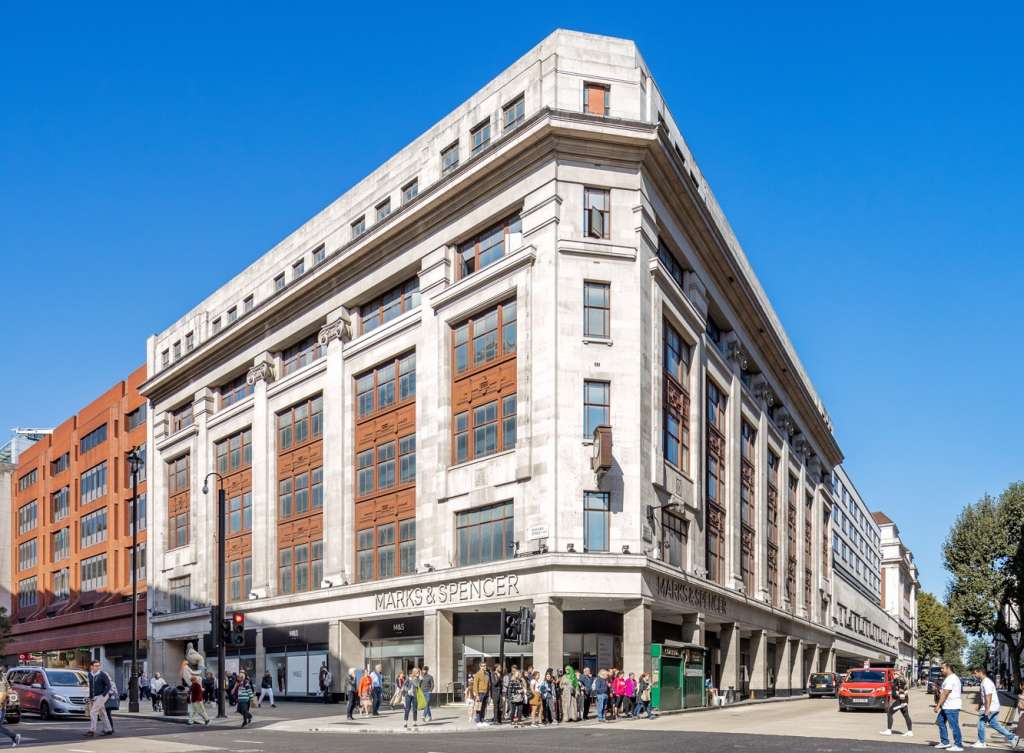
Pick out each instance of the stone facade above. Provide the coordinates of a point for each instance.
(899, 588)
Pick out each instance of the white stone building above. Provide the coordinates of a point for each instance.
(899, 586)
(426, 361)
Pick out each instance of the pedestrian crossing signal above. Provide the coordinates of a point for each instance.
(510, 627)
(525, 626)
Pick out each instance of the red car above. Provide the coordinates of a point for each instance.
(868, 688)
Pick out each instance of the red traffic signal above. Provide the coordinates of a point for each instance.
(237, 629)
(238, 618)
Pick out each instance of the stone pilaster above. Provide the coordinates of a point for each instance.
(636, 638)
(332, 337)
(548, 642)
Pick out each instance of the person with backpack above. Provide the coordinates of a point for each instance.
(643, 697)
(988, 710)
(899, 701)
(100, 687)
(243, 697)
(5, 689)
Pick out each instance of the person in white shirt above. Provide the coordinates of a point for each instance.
(988, 710)
(949, 704)
(156, 687)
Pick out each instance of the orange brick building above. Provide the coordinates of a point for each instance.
(72, 536)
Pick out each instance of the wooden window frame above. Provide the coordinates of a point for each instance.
(408, 297)
(237, 581)
(294, 563)
(234, 391)
(507, 532)
(182, 418)
(715, 457)
(668, 521)
(406, 361)
(224, 451)
(303, 353)
(314, 423)
(509, 226)
(676, 400)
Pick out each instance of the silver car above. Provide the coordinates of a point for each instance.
(50, 692)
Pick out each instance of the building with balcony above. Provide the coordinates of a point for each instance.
(71, 537)
(899, 584)
(523, 363)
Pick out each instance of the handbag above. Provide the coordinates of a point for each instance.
(113, 702)
(421, 699)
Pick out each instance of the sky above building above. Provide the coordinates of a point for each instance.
(869, 160)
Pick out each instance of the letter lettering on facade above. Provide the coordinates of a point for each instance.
(513, 585)
(684, 593)
(490, 587)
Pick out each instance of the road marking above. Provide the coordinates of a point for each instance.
(80, 750)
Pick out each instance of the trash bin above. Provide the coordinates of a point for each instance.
(175, 701)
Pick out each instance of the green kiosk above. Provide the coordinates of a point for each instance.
(677, 673)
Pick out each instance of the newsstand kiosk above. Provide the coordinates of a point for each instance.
(677, 675)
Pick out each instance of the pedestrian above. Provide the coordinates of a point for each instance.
(156, 689)
(196, 707)
(601, 689)
(5, 689)
(427, 686)
(324, 679)
(948, 707)
(351, 692)
(232, 684)
(506, 684)
(377, 687)
(99, 689)
(516, 696)
(587, 688)
(547, 695)
(243, 698)
(536, 701)
(410, 697)
(397, 699)
(496, 703)
(570, 689)
(209, 688)
(988, 710)
(266, 690)
(898, 701)
(481, 692)
(144, 686)
(365, 693)
(629, 697)
(643, 697)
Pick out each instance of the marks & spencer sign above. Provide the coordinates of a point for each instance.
(452, 592)
(691, 596)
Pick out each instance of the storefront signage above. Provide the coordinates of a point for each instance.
(691, 596)
(452, 592)
(536, 532)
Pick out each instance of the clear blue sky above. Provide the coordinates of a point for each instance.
(870, 161)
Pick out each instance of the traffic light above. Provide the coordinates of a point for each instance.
(225, 631)
(525, 626)
(510, 625)
(238, 629)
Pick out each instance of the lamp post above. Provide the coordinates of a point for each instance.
(217, 613)
(135, 461)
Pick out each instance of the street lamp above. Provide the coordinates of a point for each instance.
(217, 613)
(135, 462)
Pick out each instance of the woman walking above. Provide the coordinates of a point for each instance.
(898, 701)
(410, 692)
(643, 697)
(535, 699)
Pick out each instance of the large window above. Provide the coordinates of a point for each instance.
(301, 354)
(240, 579)
(597, 402)
(94, 572)
(61, 464)
(28, 590)
(773, 527)
(93, 528)
(596, 213)
(386, 385)
(93, 439)
(178, 476)
(26, 480)
(809, 549)
(140, 563)
(177, 530)
(393, 303)
(181, 418)
(484, 338)
(235, 390)
(61, 503)
(386, 466)
(240, 513)
(300, 494)
(676, 408)
(235, 452)
(28, 555)
(490, 245)
(300, 568)
(28, 517)
(61, 544)
(791, 490)
(715, 488)
(668, 259)
(596, 521)
(301, 423)
(134, 419)
(60, 584)
(491, 432)
(93, 484)
(181, 593)
(485, 534)
(387, 550)
(597, 310)
(673, 540)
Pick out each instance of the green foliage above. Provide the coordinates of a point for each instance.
(939, 638)
(977, 653)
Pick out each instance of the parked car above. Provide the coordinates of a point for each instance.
(822, 684)
(50, 692)
(934, 680)
(868, 688)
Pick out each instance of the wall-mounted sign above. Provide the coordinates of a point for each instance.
(536, 532)
(691, 596)
(453, 592)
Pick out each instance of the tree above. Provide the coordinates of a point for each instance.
(938, 636)
(978, 653)
(5, 629)
(984, 553)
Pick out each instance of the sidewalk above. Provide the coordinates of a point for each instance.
(285, 711)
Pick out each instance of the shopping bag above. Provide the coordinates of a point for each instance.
(421, 699)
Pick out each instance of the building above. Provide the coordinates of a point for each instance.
(21, 439)
(523, 363)
(899, 586)
(71, 530)
(865, 631)
(1001, 662)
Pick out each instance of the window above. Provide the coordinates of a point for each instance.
(247, 304)
(596, 520)
(60, 543)
(407, 459)
(62, 463)
(596, 406)
(234, 452)
(791, 490)
(177, 530)
(386, 551)
(61, 503)
(181, 418)
(28, 517)
(300, 568)
(92, 484)
(240, 579)
(141, 516)
(26, 480)
(377, 390)
(93, 439)
(597, 310)
(383, 210)
(177, 350)
(449, 158)
(140, 563)
(216, 325)
(279, 282)
(485, 338)
(358, 227)
(596, 99)
(673, 540)
(181, 593)
(748, 510)
(190, 342)
(715, 483)
(364, 548)
(513, 113)
(234, 391)
(178, 476)
(165, 358)
(773, 527)
(27, 592)
(301, 423)
(409, 190)
(676, 406)
(407, 547)
(596, 213)
(319, 255)
(60, 584)
(240, 513)
(809, 550)
(93, 528)
(490, 246)
(301, 354)
(298, 269)
(28, 555)
(480, 137)
(135, 418)
(487, 439)
(485, 534)
(393, 303)
(232, 314)
(296, 493)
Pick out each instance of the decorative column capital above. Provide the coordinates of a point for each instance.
(262, 371)
(339, 329)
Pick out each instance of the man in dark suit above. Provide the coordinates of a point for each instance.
(100, 687)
